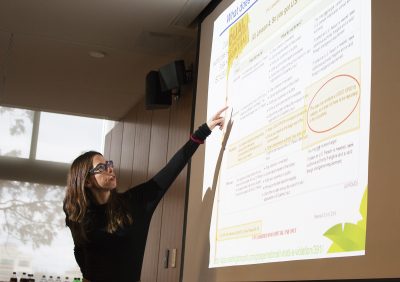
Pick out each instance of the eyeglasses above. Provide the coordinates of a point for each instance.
(101, 167)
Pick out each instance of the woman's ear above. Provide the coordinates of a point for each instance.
(88, 183)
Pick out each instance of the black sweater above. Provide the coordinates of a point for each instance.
(118, 257)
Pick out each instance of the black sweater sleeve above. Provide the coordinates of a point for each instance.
(168, 174)
(153, 190)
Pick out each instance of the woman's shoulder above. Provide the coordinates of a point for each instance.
(136, 190)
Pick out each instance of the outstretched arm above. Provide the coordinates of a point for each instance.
(151, 192)
(169, 173)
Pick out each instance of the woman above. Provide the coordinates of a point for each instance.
(110, 229)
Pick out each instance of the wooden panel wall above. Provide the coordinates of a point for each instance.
(157, 159)
(174, 199)
(140, 145)
(128, 145)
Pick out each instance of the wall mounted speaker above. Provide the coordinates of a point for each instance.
(155, 98)
(172, 76)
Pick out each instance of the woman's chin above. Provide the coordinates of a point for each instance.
(112, 184)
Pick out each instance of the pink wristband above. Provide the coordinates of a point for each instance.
(194, 139)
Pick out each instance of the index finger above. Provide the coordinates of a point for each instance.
(221, 111)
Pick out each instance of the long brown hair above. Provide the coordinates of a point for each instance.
(77, 198)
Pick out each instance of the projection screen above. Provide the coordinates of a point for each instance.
(282, 193)
(292, 183)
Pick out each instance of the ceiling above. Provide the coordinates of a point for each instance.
(45, 45)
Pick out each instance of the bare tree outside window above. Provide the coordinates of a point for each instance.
(30, 212)
(15, 131)
(33, 236)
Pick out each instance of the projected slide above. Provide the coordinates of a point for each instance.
(292, 170)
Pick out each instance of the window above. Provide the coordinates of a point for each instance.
(33, 235)
(62, 137)
(15, 132)
(49, 136)
(6, 262)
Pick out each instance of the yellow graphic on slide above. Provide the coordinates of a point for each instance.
(347, 237)
(240, 231)
(238, 39)
(281, 133)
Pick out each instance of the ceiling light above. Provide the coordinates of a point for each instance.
(97, 54)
